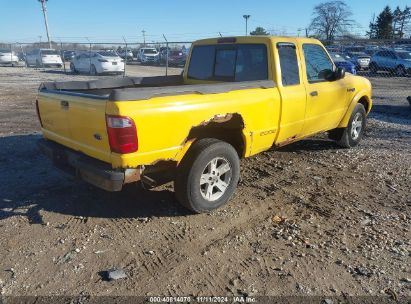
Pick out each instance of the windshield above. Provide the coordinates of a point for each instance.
(355, 49)
(49, 52)
(405, 55)
(337, 57)
(107, 53)
(176, 53)
(358, 55)
(149, 51)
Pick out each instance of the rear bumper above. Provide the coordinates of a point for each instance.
(93, 171)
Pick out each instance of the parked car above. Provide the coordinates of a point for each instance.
(126, 54)
(44, 58)
(360, 59)
(333, 48)
(148, 55)
(231, 102)
(398, 62)
(175, 58)
(8, 57)
(68, 56)
(97, 62)
(341, 62)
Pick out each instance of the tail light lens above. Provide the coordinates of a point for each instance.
(38, 113)
(103, 60)
(122, 134)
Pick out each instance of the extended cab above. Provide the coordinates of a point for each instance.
(236, 97)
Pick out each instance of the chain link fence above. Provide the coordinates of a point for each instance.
(89, 57)
(386, 63)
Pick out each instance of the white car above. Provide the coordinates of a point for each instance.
(126, 54)
(44, 58)
(148, 55)
(97, 62)
(8, 57)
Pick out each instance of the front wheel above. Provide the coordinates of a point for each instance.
(207, 176)
(373, 68)
(400, 71)
(351, 136)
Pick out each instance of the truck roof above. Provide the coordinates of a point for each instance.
(251, 39)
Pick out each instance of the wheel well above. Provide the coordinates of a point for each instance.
(226, 127)
(365, 102)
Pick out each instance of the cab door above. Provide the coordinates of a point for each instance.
(326, 100)
(293, 93)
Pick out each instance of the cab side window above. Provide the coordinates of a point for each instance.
(290, 72)
(319, 65)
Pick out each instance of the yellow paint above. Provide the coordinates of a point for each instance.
(271, 116)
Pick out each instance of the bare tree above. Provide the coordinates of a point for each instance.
(331, 19)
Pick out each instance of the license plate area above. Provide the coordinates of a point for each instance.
(114, 63)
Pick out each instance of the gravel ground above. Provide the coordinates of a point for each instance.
(307, 219)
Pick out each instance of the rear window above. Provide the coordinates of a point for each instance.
(404, 55)
(107, 53)
(149, 51)
(49, 52)
(290, 73)
(229, 62)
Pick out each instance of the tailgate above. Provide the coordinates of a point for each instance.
(76, 121)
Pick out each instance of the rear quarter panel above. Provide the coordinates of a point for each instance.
(164, 123)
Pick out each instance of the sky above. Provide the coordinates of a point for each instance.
(178, 20)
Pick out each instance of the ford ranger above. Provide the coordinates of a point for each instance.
(235, 98)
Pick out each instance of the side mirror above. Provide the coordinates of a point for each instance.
(339, 74)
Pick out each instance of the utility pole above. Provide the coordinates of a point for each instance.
(167, 54)
(144, 37)
(44, 8)
(246, 17)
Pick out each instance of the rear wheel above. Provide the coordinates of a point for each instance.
(93, 70)
(351, 136)
(73, 68)
(207, 176)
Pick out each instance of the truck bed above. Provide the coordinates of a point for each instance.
(142, 88)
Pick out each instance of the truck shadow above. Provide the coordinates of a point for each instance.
(398, 114)
(30, 186)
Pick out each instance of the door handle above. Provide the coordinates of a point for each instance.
(314, 94)
(64, 104)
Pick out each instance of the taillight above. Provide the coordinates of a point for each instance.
(122, 134)
(102, 60)
(38, 113)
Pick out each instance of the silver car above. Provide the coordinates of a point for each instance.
(395, 61)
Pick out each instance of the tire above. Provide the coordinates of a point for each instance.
(400, 71)
(73, 68)
(351, 136)
(38, 65)
(373, 68)
(93, 70)
(203, 171)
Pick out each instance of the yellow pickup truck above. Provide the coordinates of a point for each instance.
(235, 98)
